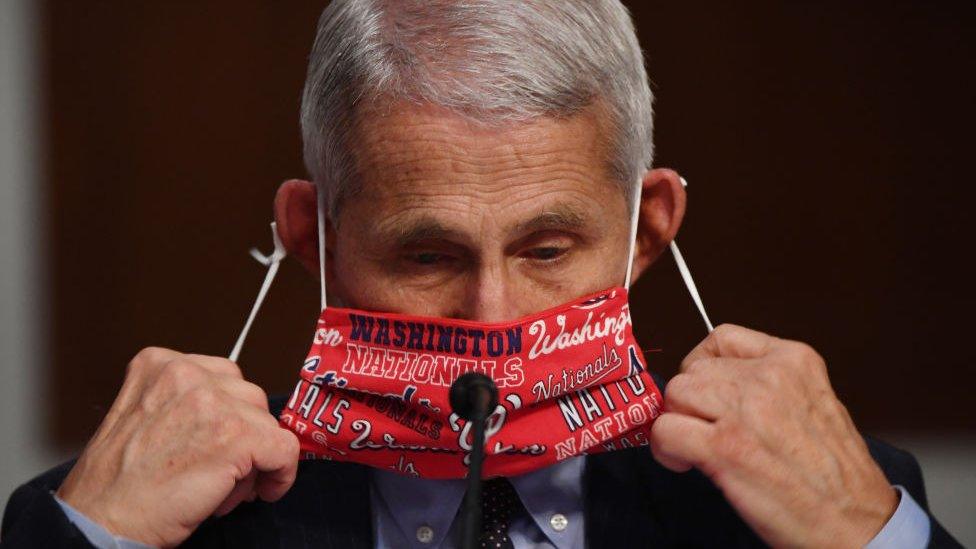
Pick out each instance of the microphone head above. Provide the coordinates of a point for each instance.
(472, 392)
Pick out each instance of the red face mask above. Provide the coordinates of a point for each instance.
(374, 388)
(571, 380)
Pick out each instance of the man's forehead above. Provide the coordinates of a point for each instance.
(425, 169)
(414, 138)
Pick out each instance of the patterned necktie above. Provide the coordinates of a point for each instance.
(499, 504)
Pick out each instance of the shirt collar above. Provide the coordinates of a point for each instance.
(555, 490)
(415, 502)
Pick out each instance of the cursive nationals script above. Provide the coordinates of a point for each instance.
(558, 339)
(588, 374)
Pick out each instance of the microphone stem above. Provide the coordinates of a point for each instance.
(471, 511)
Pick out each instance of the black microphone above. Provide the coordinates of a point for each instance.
(473, 397)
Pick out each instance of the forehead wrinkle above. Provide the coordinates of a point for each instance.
(428, 133)
(437, 161)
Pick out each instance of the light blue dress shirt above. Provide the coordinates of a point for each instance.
(419, 513)
(909, 527)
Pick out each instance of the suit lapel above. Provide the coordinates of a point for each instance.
(617, 508)
(329, 507)
(618, 504)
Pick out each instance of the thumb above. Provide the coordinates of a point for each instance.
(680, 442)
(277, 473)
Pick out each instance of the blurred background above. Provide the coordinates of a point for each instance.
(828, 148)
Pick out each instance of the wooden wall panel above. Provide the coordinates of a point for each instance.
(170, 126)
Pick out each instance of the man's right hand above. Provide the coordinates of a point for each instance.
(187, 437)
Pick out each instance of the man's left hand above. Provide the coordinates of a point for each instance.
(758, 416)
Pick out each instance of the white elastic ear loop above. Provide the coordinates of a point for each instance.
(271, 262)
(690, 284)
(320, 198)
(686, 277)
(678, 258)
(634, 216)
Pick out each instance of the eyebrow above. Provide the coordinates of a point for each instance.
(423, 229)
(558, 218)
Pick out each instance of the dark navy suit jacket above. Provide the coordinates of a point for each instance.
(630, 501)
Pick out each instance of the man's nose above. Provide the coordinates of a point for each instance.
(490, 297)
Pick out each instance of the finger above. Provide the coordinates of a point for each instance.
(272, 485)
(217, 365)
(243, 490)
(709, 391)
(671, 463)
(722, 367)
(153, 356)
(680, 442)
(274, 454)
(731, 341)
(245, 391)
(141, 370)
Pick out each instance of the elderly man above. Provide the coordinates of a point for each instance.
(480, 161)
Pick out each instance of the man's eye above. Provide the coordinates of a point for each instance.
(427, 258)
(546, 253)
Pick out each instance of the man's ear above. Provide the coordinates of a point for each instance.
(296, 215)
(662, 208)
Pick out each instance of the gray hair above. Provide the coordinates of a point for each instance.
(494, 61)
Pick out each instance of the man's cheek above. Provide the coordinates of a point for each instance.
(592, 271)
(395, 295)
